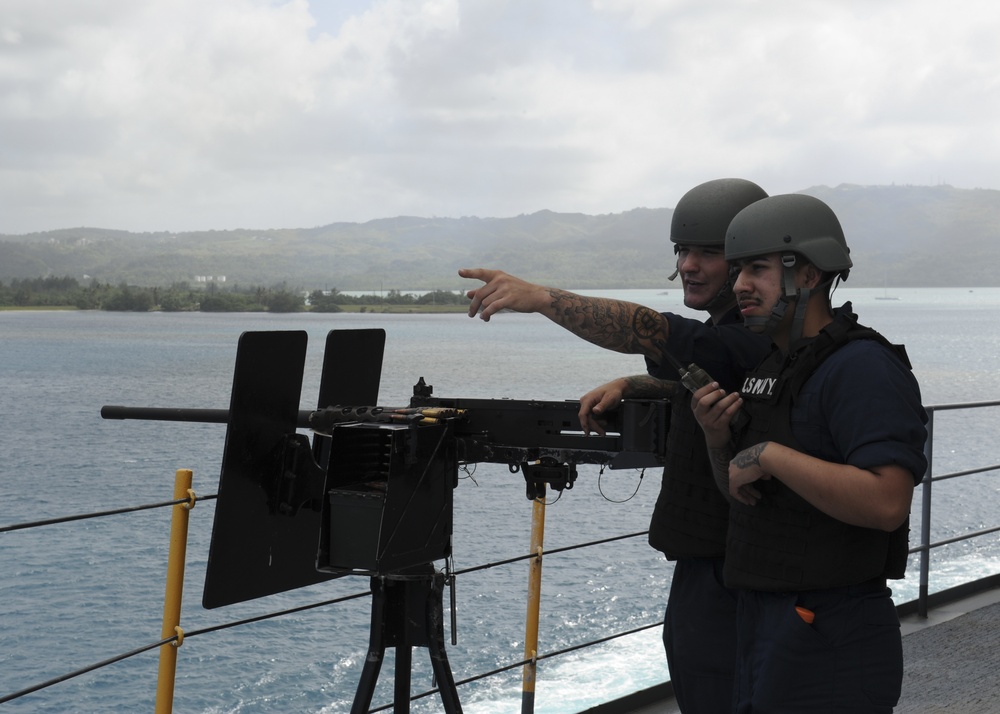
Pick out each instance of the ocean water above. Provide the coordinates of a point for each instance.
(78, 593)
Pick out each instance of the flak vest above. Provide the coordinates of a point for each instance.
(691, 515)
(783, 543)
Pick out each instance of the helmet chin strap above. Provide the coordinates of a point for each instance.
(723, 298)
(789, 294)
(677, 264)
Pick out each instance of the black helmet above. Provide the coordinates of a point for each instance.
(703, 213)
(791, 223)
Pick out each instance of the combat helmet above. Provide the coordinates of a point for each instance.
(703, 214)
(790, 225)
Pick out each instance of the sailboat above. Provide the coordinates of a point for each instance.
(885, 288)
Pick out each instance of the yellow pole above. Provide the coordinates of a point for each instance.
(534, 599)
(174, 591)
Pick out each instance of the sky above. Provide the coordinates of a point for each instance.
(177, 115)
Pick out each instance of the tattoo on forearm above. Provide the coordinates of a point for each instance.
(646, 323)
(598, 320)
(643, 386)
(720, 459)
(612, 324)
(750, 457)
(649, 329)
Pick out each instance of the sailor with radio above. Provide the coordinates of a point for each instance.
(820, 480)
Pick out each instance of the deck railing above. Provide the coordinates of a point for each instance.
(924, 548)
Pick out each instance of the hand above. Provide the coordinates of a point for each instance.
(714, 409)
(596, 402)
(744, 471)
(502, 291)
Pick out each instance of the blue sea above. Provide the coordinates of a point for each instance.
(78, 593)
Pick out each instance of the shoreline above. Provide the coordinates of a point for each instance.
(394, 309)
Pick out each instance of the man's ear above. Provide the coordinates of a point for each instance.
(811, 275)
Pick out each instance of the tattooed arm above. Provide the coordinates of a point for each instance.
(612, 324)
(743, 471)
(877, 497)
(608, 396)
(720, 458)
(713, 410)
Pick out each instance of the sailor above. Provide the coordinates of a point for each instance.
(690, 518)
(821, 478)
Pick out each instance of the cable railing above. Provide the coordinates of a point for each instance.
(923, 548)
(182, 637)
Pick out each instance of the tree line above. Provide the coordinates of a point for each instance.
(62, 292)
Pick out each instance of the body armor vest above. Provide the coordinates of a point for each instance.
(783, 542)
(691, 514)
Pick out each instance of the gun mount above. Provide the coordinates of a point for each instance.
(372, 493)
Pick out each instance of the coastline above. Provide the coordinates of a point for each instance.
(393, 309)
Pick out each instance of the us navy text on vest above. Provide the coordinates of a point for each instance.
(759, 386)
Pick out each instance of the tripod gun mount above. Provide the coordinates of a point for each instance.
(372, 494)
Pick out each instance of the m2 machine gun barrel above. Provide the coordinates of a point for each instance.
(507, 431)
(203, 416)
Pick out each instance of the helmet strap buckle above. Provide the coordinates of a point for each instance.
(791, 291)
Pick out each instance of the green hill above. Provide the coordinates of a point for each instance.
(906, 235)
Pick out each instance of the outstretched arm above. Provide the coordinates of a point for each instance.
(612, 324)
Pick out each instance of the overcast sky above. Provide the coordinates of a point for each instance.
(149, 115)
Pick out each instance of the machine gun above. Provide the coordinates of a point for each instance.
(275, 487)
(372, 493)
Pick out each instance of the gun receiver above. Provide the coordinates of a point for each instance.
(509, 431)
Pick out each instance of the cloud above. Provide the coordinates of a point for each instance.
(181, 114)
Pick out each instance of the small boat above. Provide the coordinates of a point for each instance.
(885, 294)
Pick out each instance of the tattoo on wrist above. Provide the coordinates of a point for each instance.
(720, 459)
(751, 456)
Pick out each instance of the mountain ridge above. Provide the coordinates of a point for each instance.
(932, 236)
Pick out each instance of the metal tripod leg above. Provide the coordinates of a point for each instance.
(435, 646)
(407, 612)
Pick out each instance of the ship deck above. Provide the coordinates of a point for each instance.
(951, 660)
